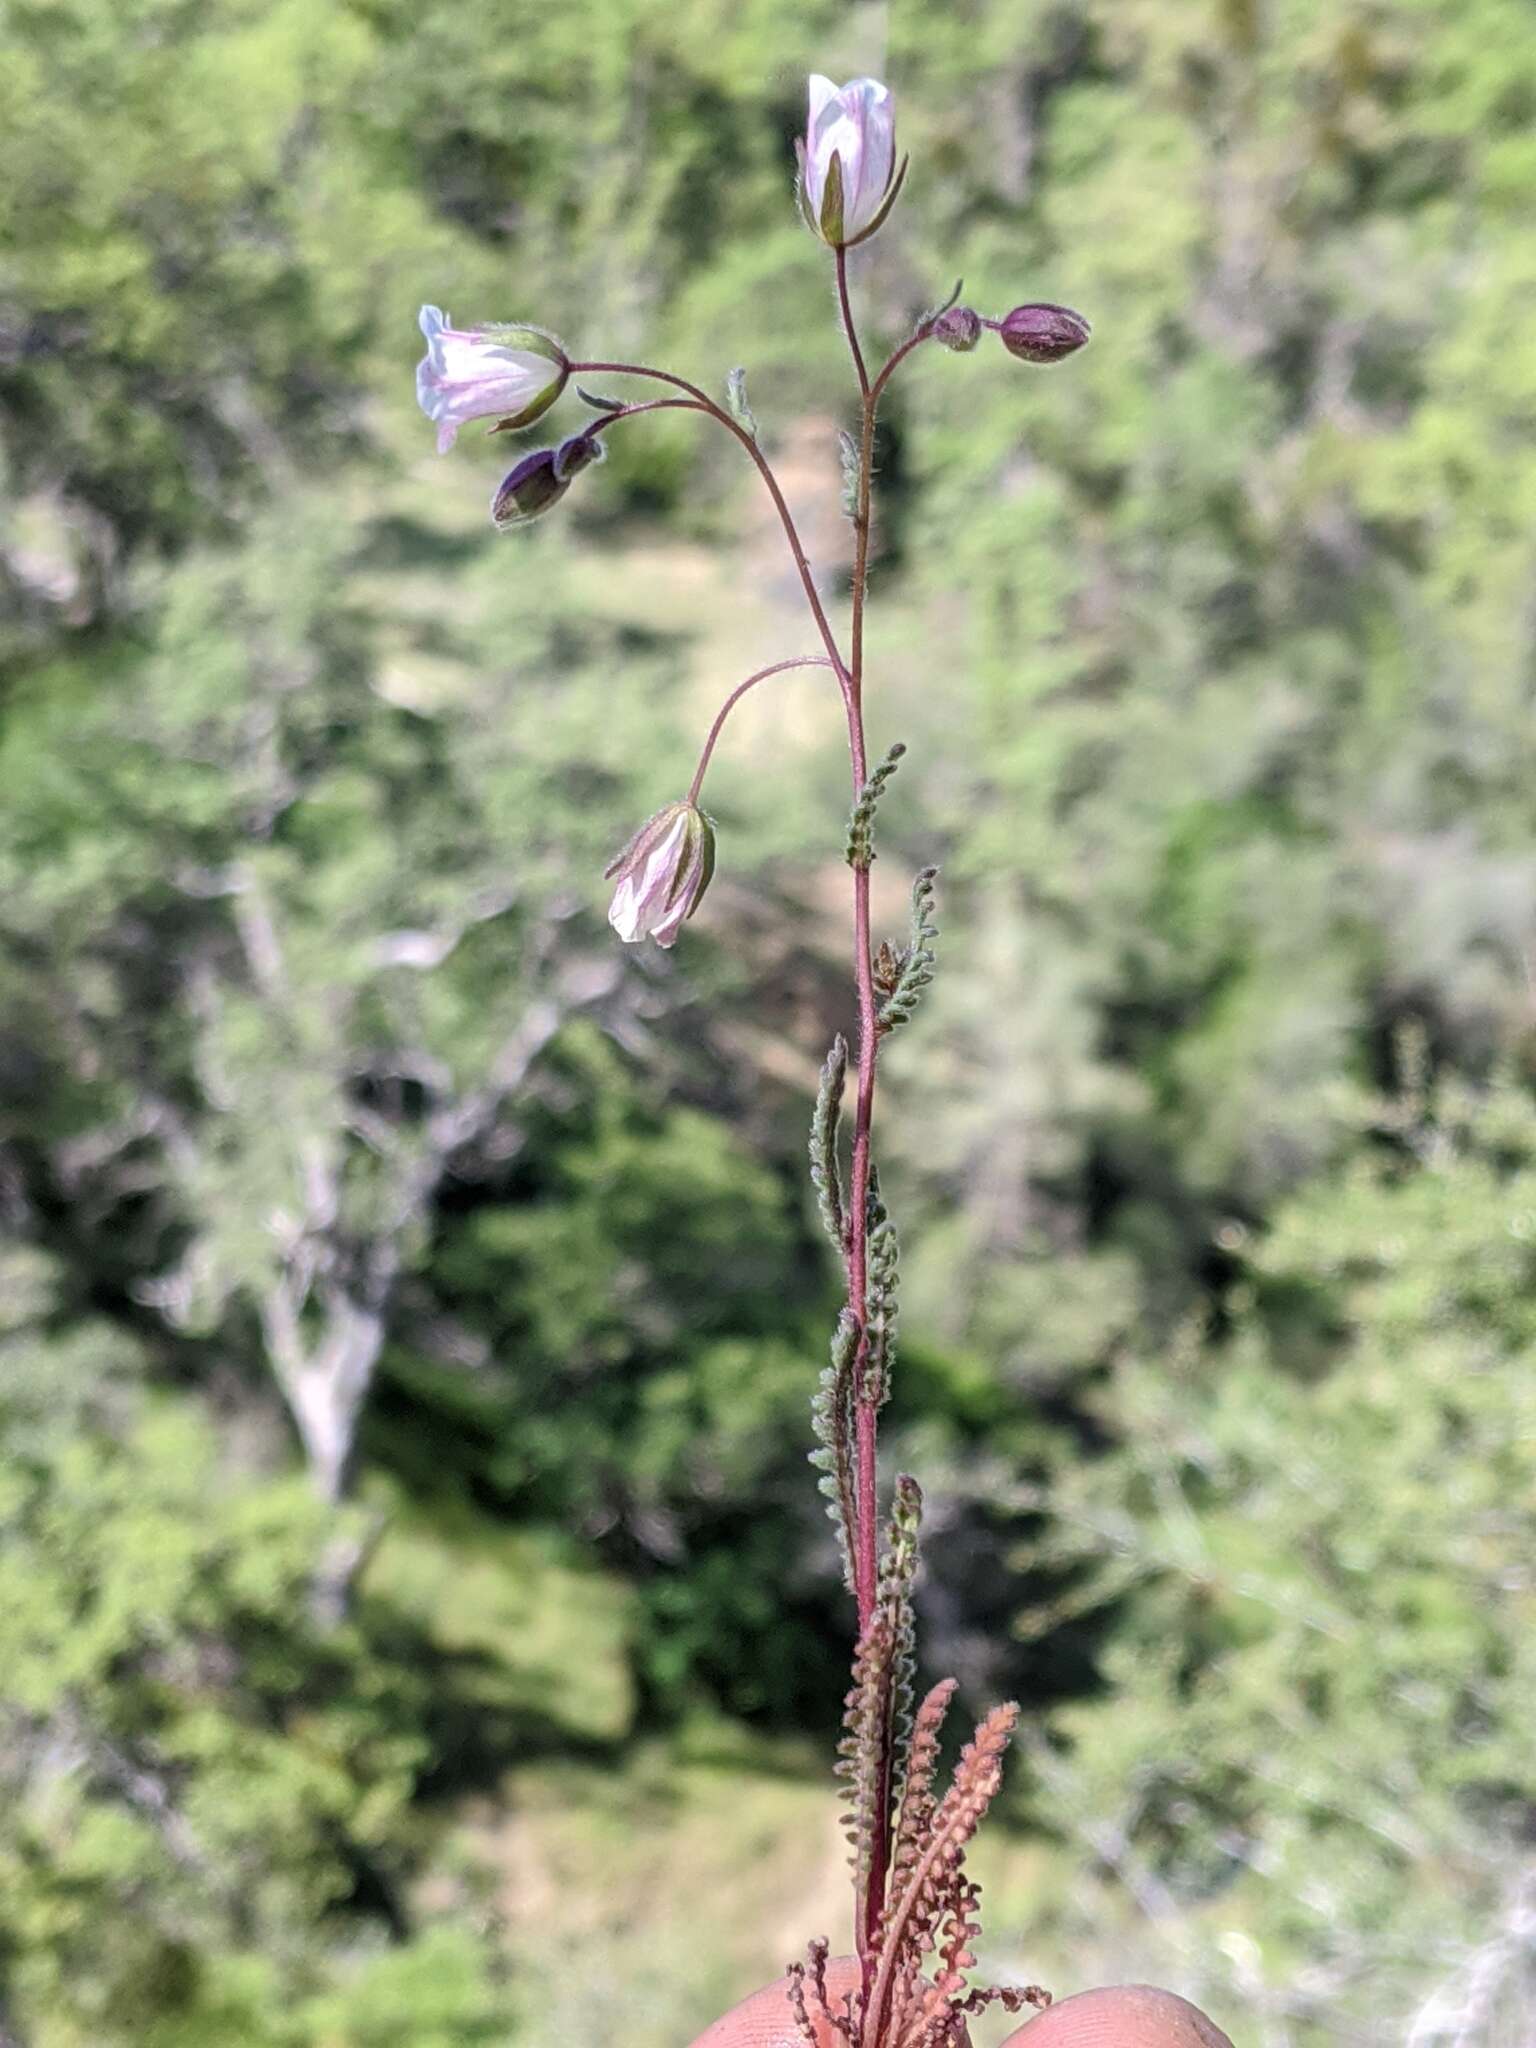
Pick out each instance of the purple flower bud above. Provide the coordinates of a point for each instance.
(1043, 334)
(541, 480)
(662, 874)
(958, 328)
(848, 173)
(478, 373)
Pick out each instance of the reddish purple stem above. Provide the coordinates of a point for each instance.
(774, 669)
(850, 676)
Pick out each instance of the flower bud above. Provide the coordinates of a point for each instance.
(662, 874)
(510, 374)
(958, 328)
(1043, 334)
(541, 480)
(848, 173)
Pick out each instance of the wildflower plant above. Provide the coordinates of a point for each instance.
(915, 1907)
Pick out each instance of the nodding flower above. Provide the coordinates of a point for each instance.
(662, 874)
(509, 374)
(538, 483)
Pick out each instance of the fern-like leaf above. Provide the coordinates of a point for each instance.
(805, 2026)
(927, 1893)
(849, 460)
(832, 1418)
(877, 1711)
(1011, 1997)
(882, 1277)
(917, 1803)
(860, 850)
(963, 1926)
(736, 402)
(826, 1174)
(816, 1953)
(898, 1572)
(912, 967)
(864, 1751)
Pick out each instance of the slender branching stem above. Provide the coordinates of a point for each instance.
(850, 677)
(914, 340)
(765, 470)
(849, 329)
(774, 669)
(629, 412)
(866, 1484)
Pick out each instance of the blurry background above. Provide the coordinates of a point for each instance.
(417, 1625)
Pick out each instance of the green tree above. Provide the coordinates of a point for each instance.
(206, 1830)
(1316, 1537)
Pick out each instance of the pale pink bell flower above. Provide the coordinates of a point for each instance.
(848, 173)
(509, 374)
(662, 874)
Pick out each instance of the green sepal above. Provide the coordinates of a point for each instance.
(885, 205)
(707, 860)
(830, 226)
(533, 341)
(938, 312)
(802, 197)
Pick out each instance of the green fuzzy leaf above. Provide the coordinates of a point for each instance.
(826, 1176)
(917, 959)
(882, 1254)
(860, 850)
(898, 1571)
(849, 455)
(878, 1708)
(832, 1418)
(736, 402)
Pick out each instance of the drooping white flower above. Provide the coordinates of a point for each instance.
(662, 874)
(510, 374)
(848, 174)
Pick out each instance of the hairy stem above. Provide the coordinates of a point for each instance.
(866, 1556)
(850, 676)
(764, 469)
(849, 329)
(629, 412)
(773, 669)
(898, 356)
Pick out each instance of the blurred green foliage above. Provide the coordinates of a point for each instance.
(409, 1571)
